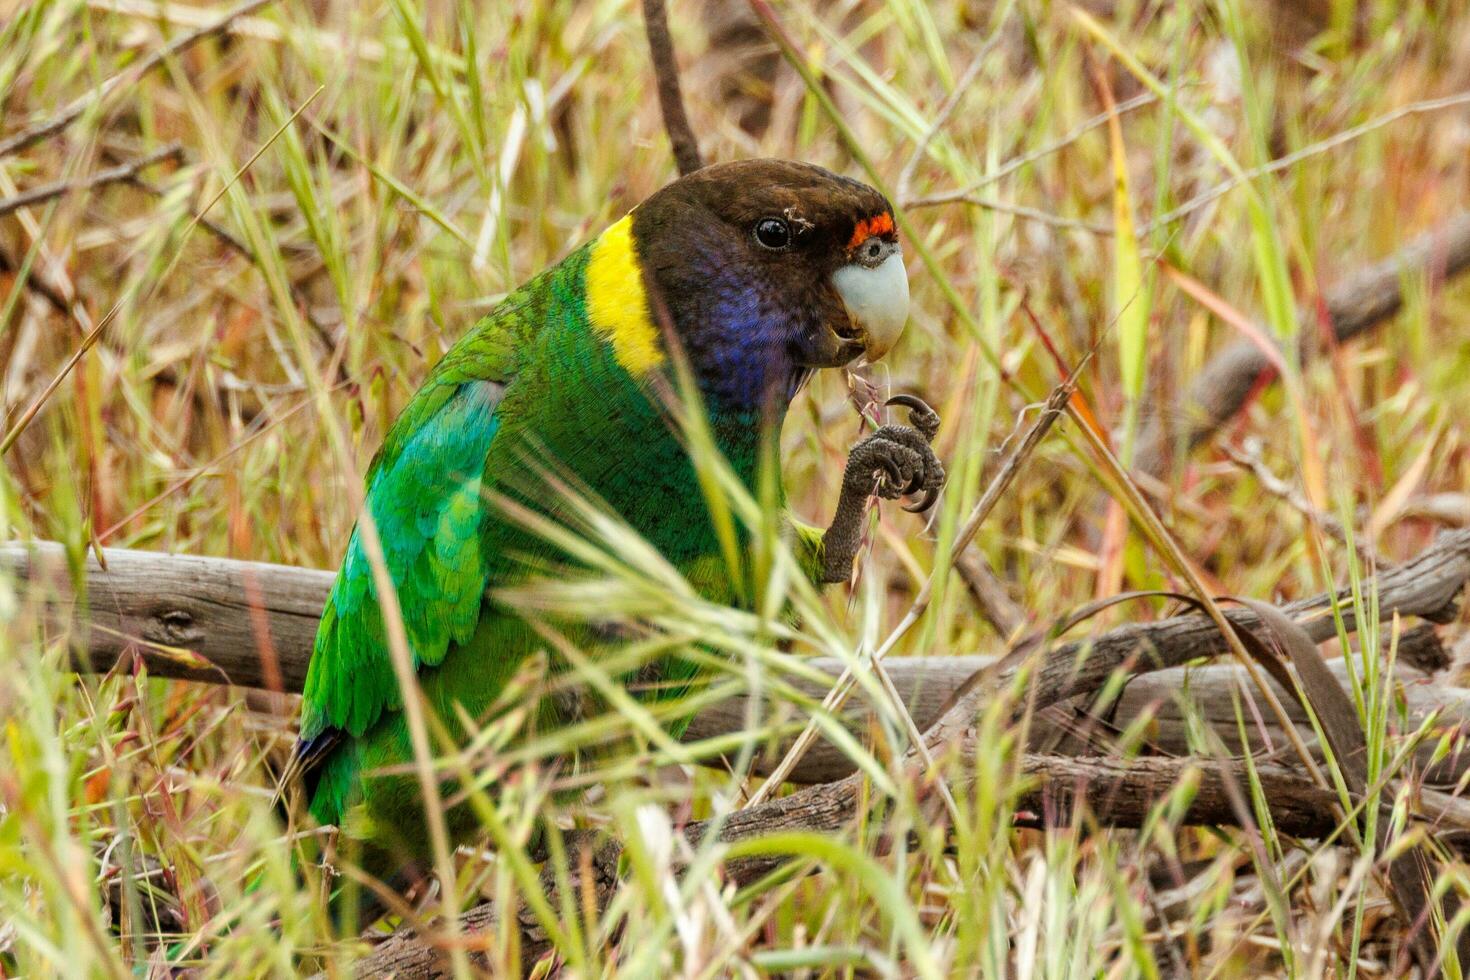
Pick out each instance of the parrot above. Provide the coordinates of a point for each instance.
(757, 273)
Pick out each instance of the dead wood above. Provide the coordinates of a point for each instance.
(1115, 792)
(670, 97)
(252, 624)
(1161, 701)
(255, 623)
(122, 173)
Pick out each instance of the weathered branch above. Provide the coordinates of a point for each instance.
(1116, 792)
(1359, 303)
(1426, 586)
(256, 621)
(670, 98)
(1164, 699)
(989, 593)
(253, 624)
(203, 619)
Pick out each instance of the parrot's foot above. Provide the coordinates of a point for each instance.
(896, 461)
(593, 871)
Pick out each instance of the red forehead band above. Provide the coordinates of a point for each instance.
(881, 224)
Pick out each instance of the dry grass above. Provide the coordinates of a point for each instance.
(358, 182)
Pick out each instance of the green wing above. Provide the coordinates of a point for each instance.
(423, 491)
(424, 495)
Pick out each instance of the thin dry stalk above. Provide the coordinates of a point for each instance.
(123, 173)
(48, 127)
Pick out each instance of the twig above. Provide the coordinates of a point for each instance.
(1306, 152)
(941, 117)
(670, 99)
(1019, 210)
(1016, 163)
(123, 173)
(968, 196)
(219, 231)
(1449, 509)
(93, 334)
(35, 282)
(990, 594)
(229, 240)
(1250, 459)
(50, 127)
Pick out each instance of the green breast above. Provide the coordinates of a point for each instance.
(576, 413)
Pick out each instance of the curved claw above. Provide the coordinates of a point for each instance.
(930, 495)
(910, 401)
(924, 418)
(891, 469)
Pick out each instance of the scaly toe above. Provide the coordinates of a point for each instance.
(923, 418)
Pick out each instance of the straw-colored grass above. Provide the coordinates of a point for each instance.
(359, 182)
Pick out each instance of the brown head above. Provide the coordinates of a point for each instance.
(770, 269)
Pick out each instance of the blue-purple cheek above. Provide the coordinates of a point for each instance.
(750, 359)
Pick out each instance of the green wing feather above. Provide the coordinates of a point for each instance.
(424, 497)
(423, 490)
(424, 494)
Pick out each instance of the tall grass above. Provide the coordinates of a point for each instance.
(362, 181)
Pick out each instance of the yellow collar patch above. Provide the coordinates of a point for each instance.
(617, 305)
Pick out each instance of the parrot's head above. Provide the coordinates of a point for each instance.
(771, 269)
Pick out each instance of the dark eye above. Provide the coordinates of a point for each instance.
(773, 233)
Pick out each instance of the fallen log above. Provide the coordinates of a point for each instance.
(1117, 792)
(217, 620)
(252, 624)
(226, 621)
(1161, 701)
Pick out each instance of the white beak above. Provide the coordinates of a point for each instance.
(877, 299)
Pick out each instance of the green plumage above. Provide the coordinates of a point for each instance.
(532, 382)
(543, 385)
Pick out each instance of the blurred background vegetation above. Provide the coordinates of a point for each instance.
(333, 192)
